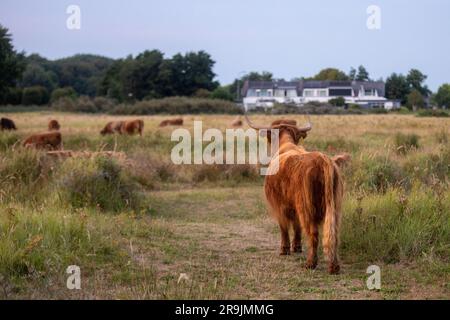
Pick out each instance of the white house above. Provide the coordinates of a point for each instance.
(266, 93)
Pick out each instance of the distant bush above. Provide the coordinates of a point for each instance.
(84, 104)
(36, 95)
(222, 93)
(433, 113)
(98, 183)
(59, 93)
(178, 105)
(337, 102)
(406, 142)
(12, 96)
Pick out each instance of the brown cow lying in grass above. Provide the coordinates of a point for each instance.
(171, 122)
(53, 125)
(304, 193)
(7, 124)
(124, 127)
(48, 140)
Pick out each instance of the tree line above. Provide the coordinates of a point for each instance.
(35, 80)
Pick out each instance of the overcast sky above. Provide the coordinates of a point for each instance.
(289, 38)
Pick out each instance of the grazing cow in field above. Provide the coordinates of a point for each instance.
(341, 159)
(131, 127)
(305, 192)
(112, 127)
(237, 122)
(48, 140)
(171, 122)
(53, 125)
(7, 124)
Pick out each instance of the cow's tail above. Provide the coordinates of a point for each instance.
(332, 215)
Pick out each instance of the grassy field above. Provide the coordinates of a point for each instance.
(136, 223)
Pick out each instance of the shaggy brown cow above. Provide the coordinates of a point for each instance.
(48, 140)
(305, 192)
(53, 125)
(237, 122)
(112, 127)
(171, 122)
(7, 124)
(132, 127)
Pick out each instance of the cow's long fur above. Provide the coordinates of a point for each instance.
(306, 192)
(124, 127)
(48, 140)
(53, 125)
(133, 126)
(7, 124)
(171, 122)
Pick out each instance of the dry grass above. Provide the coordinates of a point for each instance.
(216, 229)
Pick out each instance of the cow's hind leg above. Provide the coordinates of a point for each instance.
(312, 232)
(285, 246)
(297, 241)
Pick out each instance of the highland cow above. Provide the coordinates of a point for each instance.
(112, 127)
(48, 140)
(171, 122)
(7, 124)
(131, 127)
(304, 193)
(53, 125)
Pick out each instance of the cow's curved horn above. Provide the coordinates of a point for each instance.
(308, 125)
(252, 125)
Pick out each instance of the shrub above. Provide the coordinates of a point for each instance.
(21, 174)
(97, 183)
(406, 142)
(396, 226)
(13, 96)
(178, 105)
(433, 113)
(337, 102)
(36, 95)
(84, 104)
(222, 93)
(375, 174)
(66, 92)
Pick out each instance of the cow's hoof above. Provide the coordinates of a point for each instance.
(285, 251)
(310, 265)
(334, 269)
(297, 249)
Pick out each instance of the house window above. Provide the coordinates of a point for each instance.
(291, 93)
(340, 92)
(308, 93)
(369, 92)
(258, 93)
(269, 93)
(322, 93)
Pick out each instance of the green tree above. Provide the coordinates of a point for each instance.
(222, 93)
(352, 74)
(362, 75)
(66, 92)
(415, 80)
(36, 95)
(415, 100)
(11, 64)
(331, 74)
(442, 97)
(397, 87)
(36, 75)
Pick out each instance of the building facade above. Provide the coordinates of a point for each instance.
(265, 94)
